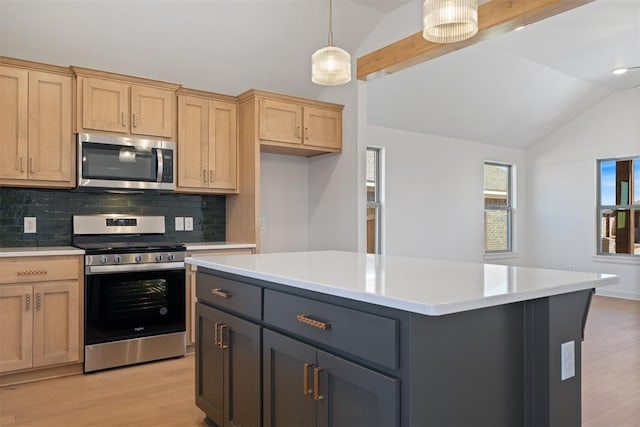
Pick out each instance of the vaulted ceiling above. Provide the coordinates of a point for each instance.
(511, 90)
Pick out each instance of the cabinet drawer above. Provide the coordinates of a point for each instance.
(230, 294)
(365, 335)
(41, 269)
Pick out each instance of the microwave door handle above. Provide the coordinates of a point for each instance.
(160, 165)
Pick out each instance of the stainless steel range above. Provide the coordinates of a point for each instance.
(134, 290)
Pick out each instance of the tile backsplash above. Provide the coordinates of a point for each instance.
(53, 210)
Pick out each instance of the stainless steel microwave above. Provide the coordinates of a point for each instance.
(125, 163)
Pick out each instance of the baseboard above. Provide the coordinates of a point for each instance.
(618, 294)
(28, 376)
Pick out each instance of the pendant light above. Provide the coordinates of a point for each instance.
(331, 65)
(449, 21)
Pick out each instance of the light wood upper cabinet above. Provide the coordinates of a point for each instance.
(36, 128)
(40, 311)
(299, 127)
(110, 102)
(207, 145)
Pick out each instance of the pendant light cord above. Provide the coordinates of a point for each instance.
(330, 22)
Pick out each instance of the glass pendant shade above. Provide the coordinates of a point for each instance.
(331, 66)
(449, 21)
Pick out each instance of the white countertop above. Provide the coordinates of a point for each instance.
(201, 246)
(40, 251)
(426, 286)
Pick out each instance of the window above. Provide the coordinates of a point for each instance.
(619, 206)
(498, 209)
(374, 204)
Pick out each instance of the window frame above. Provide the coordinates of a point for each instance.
(509, 209)
(377, 204)
(600, 207)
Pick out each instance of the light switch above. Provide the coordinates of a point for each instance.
(568, 360)
(179, 223)
(188, 223)
(29, 224)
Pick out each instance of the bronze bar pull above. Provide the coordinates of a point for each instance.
(224, 337)
(216, 334)
(38, 302)
(306, 133)
(306, 391)
(298, 132)
(204, 175)
(221, 293)
(123, 119)
(27, 302)
(135, 120)
(21, 164)
(31, 169)
(312, 322)
(211, 175)
(316, 384)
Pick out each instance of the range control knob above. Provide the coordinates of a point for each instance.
(138, 258)
(104, 259)
(171, 257)
(117, 259)
(158, 258)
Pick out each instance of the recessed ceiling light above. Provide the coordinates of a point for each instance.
(620, 71)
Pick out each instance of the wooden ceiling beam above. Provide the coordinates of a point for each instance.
(495, 17)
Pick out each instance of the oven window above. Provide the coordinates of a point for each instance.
(118, 162)
(130, 305)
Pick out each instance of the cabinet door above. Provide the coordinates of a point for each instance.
(152, 111)
(14, 89)
(193, 142)
(50, 141)
(56, 321)
(105, 105)
(355, 396)
(209, 364)
(280, 122)
(287, 382)
(16, 326)
(242, 367)
(223, 145)
(322, 128)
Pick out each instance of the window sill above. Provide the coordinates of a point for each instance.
(619, 259)
(499, 256)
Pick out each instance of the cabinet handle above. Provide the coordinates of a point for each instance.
(38, 302)
(31, 169)
(312, 322)
(21, 166)
(306, 133)
(298, 132)
(204, 175)
(211, 175)
(27, 302)
(224, 337)
(123, 119)
(316, 384)
(221, 293)
(306, 391)
(135, 120)
(31, 272)
(216, 334)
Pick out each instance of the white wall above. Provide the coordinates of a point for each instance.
(562, 182)
(284, 203)
(434, 193)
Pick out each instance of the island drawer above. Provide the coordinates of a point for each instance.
(230, 294)
(369, 336)
(39, 269)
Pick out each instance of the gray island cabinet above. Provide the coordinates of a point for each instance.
(334, 338)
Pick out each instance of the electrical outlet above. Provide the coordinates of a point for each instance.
(188, 223)
(179, 223)
(29, 224)
(568, 360)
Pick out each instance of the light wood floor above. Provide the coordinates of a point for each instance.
(162, 393)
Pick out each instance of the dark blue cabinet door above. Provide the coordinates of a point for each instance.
(354, 396)
(209, 364)
(286, 402)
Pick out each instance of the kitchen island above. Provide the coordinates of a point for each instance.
(339, 338)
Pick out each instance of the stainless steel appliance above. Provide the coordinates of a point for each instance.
(125, 163)
(134, 290)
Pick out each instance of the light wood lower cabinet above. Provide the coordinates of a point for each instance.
(40, 314)
(191, 298)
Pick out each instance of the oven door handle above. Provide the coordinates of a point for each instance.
(106, 269)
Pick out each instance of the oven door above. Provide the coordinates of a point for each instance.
(141, 303)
